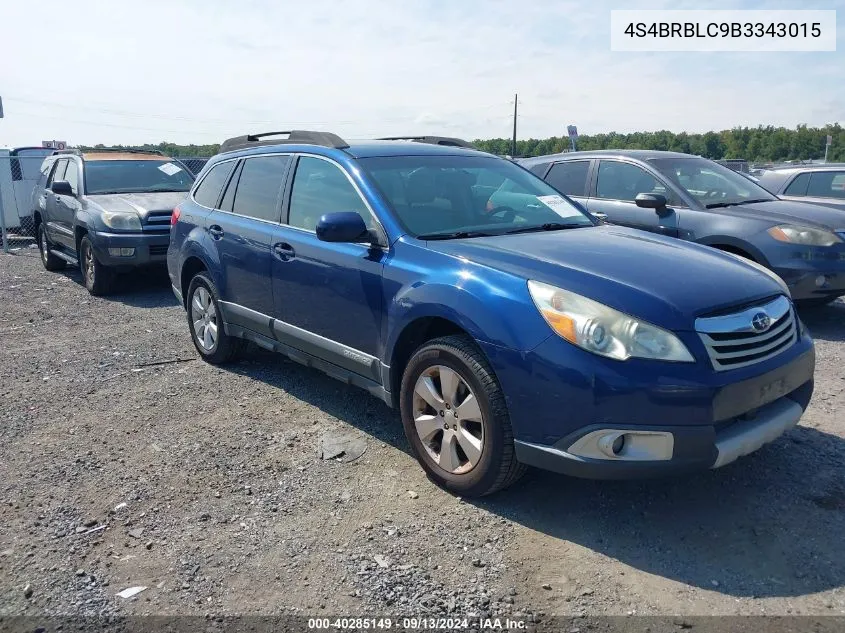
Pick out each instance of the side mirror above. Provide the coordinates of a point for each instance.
(343, 226)
(61, 188)
(601, 217)
(651, 201)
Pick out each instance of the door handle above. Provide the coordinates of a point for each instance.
(283, 251)
(216, 231)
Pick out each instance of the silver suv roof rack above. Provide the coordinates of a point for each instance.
(433, 140)
(299, 137)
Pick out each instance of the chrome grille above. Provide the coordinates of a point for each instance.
(158, 221)
(732, 340)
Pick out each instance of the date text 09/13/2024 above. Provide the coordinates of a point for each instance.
(417, 624)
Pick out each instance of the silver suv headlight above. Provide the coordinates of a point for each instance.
(601, 330)
(121, 221)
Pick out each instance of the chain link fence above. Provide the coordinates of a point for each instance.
(19, 176)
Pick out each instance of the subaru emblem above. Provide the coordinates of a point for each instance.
(761, 322)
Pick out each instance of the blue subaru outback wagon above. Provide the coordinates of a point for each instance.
(509, 327)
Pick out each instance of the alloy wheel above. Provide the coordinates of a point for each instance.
(204, 317)
(448, 419)
(89, 265)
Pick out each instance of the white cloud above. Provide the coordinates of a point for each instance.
(201, 70)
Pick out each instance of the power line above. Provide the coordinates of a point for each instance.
(149, 115)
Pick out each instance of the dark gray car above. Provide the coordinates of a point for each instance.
(819, 184)
(106, 211)
(698, 200)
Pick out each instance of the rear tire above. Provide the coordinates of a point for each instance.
(50, 261)
(205, 322)
(98, 278)
(456, 420)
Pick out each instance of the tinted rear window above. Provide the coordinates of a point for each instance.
(258, 187)
(569, 177)
(208, 192)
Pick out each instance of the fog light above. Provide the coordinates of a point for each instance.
(618, 445)
(625, 444)
(821, 281)
(121, 252)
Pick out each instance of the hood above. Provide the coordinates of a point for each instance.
(790, 212)
(141, 203)
(663, 280)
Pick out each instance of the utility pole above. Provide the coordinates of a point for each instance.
(513, 142)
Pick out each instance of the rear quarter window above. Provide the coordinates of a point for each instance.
(798, 187)
(208, 192)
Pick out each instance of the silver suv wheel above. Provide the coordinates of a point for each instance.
(204, 316)
(448, 419)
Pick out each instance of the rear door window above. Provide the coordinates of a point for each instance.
(259, 186)
(798, 187)
(208, 192)
(827, 184)
(569, 177)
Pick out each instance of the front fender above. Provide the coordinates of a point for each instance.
(732, 241)
(495, 309)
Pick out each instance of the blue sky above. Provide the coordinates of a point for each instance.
(201, 70)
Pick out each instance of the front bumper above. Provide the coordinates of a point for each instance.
(811, 272)
(817, 284)
(559, 396)
(150, 248)
(694, 448)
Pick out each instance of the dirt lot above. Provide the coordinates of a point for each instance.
(229, 509)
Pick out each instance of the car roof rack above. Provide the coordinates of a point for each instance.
(433, 140)
(103, 150)
(300, 137)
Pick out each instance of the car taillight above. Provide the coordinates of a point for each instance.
(175, 217)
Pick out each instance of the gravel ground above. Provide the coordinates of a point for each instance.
(205, 485)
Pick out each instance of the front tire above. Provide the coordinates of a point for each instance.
(98, 277)
(50, 261)
(205, 322)
(456, 420)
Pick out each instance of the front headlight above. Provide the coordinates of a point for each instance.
(122, 221)
(602, 330)
(803, 235)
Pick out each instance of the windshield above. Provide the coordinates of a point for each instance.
(476, 195)
(135, 176)
(710, 183)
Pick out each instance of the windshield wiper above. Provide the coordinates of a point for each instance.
(722, 205)
(548, 226)
(454, 235)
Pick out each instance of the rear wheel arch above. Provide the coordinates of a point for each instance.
(190, 269)
(79, 233)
